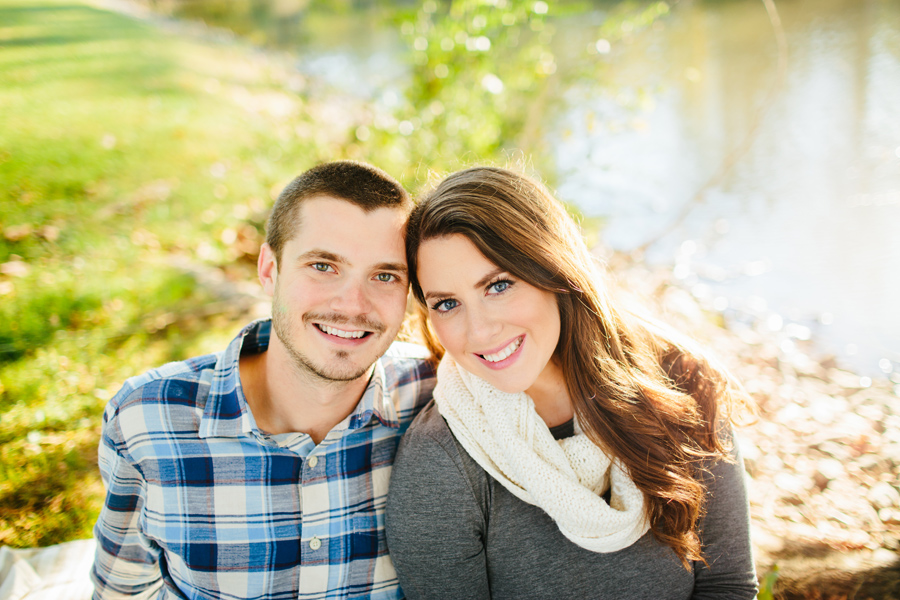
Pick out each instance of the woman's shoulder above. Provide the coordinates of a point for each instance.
(429, 441)
(429, 423)
(428, 434)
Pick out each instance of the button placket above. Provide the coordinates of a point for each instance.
(314, 498)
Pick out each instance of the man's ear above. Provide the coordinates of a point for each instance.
(267, 268)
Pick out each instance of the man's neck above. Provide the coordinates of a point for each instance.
(285, 399)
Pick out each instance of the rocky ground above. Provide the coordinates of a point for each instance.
(822, 454)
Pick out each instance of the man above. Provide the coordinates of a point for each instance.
(262, 471)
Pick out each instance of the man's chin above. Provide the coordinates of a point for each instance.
(340, 370)
(330, 364)
(336, 375)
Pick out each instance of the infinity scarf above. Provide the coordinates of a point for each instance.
(565, 478)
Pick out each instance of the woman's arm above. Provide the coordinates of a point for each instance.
(436, 515)
(725, 534)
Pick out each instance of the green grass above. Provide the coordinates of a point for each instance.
(112, 123)
(127, 149)
(122, 149)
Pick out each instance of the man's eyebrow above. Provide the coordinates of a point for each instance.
(480, 283)
(322, 254)
(396, 267)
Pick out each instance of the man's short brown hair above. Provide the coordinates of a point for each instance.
(358, 183)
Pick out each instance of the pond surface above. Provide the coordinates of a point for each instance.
(775, 195)
(803, 231)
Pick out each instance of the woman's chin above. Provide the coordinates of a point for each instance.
(501, 383)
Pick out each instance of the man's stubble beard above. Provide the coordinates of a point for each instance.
(283, 324)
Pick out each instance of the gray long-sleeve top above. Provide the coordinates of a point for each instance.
(454, 532)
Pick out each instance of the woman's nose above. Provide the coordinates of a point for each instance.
(482, 326)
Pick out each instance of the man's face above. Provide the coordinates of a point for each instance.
(339, 296)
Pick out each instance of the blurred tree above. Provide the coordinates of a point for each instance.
(485, 76)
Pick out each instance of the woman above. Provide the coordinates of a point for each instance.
(574, 450)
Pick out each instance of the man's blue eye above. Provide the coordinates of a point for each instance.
(385, 277)
(322, 267)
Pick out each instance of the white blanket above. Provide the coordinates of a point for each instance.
(60, 572)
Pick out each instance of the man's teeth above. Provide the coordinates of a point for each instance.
(341, 333)
(497, 357)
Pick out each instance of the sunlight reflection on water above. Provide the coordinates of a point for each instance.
(809, 217)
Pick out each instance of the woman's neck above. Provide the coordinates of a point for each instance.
(551, 396)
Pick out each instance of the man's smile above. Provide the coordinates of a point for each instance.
(342, 333)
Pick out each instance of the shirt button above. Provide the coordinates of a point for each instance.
(313, 461)
(315, 543)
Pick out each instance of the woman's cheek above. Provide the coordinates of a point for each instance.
(448, 333)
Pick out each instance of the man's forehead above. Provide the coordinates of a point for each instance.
(337, 227)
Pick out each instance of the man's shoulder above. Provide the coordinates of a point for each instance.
(407, 362)
(409, 379)
(174, 382)
(407, 350)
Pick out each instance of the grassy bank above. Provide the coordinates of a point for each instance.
(138, 159)
(126, 153)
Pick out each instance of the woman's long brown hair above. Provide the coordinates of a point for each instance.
(643, 394)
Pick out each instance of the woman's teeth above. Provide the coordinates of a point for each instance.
(498, 356)
(341, 333)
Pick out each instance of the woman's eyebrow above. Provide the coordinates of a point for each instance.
(437, 295)
(479, 284)
(487, 278)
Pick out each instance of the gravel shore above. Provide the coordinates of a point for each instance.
(822, 453)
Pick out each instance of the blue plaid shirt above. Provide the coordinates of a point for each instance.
(202, 504)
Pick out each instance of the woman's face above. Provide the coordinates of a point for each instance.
(494, 325)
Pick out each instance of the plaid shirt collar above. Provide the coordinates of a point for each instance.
(227, 414)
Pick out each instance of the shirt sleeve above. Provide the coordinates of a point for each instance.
(127, 562)
(725, 535)
(435, 520)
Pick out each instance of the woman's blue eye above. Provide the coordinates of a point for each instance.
(321, 267)
(498, 287)
(445, 305)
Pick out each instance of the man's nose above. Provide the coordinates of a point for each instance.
(352, 299)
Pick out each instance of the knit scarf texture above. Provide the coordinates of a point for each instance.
(565, 478)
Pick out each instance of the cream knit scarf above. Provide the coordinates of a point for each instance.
(566, 478)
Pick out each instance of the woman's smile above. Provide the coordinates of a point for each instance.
(505, 356)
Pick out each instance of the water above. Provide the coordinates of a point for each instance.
(804, 230)
(799, 233)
